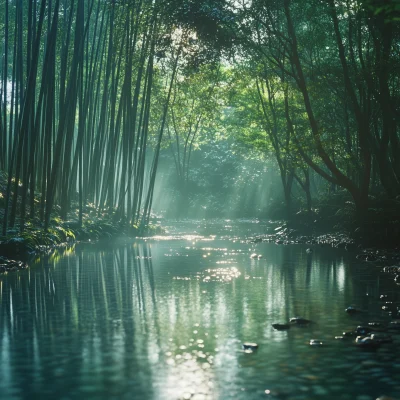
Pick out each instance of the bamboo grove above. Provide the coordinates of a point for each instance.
(89, 89)
(324, 81)
(77, 82)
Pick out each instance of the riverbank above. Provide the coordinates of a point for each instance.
(17, 248)
(377, 242)
(377, 246)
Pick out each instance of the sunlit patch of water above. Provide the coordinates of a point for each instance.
(190, 238)
(213, 249)
(189, 369)
(219, 274)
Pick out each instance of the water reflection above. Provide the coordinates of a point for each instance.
(113, 321)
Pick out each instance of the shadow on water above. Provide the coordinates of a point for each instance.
(165, 318)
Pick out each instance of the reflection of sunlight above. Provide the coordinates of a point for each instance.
(341, 276)
(220, 274)
(190, 376)
(5, 357)
(189, 238)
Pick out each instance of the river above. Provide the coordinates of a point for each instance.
(165, 318)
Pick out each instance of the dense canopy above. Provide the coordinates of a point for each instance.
(220, 107)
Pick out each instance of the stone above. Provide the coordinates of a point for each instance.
(366, 343)
(281, 327)
(363, 330)
(250, 346)
(299, 321)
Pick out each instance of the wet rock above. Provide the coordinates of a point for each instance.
(366, 343)
(250, 346)
(309, 251)
(281, 327)
(363, 330)
(299, 321)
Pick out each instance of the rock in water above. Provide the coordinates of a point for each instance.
(299, 321)
(281, 327)
(363, 330)
(250, 346)
(366, 342)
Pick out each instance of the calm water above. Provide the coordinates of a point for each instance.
(164, 318)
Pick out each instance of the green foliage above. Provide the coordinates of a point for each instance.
(389, 9)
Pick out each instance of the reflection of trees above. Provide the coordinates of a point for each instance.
(100, 315)
(86, 314)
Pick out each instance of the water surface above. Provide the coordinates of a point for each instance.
(165, 318)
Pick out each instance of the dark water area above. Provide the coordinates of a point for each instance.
(165, 318)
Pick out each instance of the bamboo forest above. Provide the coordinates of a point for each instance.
(200, 199)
